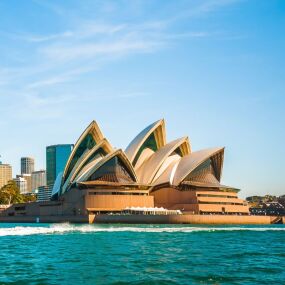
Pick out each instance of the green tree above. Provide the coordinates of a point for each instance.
(10, 194)
(30, 198)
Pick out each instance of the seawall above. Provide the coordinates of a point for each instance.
(183, 219)
(148, 219)
(44, 219)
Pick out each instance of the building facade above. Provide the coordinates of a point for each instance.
(22, 184)
(5, 174)
(38, 179)
(152, 171)
(27, 165)
(56, 158)
(43, 193)
(28, 178)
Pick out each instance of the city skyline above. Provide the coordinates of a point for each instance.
(212, 69)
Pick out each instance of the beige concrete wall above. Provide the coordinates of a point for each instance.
(45, 219)
(35, 209)
(71, 204)
(142, 219)
(117, 202)
(184, 219)
(219, 208)
(220, 200)
(218, 193)
(185, 207)
(171, 198)
(168, 197)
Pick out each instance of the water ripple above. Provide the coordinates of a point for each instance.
(141, 254)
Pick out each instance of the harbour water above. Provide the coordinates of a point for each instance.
(141, 254)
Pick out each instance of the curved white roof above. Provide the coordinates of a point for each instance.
(94, 130)
(87, 169)
(148, 170)
(133, 148)
(188, 163)
(104, 144)
(167, 171)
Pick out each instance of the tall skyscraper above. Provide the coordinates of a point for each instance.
(38, 179)
(5, 174)
(27, 165)
(56, 158)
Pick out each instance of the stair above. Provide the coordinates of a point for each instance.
(277, 220)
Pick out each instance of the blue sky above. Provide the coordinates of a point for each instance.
(214, 69)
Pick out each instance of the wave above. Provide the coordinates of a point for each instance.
(68, 228)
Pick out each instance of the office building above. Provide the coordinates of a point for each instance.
(22, 184)
(56, 158)
(5, 174)
(38, 179)
(27, 165)
(44, 193)
(28, 178)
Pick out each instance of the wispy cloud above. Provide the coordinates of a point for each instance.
(92, 50)
(210, 5)
(92, 40)
(39, 39)
(48, 82)
(133, 95)
(87, 44)
(60, 74)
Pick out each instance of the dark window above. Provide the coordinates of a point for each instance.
(20, 208)
(217, 196)
(51, 165)
(99, 152)
(87, 143)
(117, 193)
(149, 143)
(113, 170)
(178, 151)
(203, 173)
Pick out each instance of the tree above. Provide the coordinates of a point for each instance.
(29, 198)
(10, 194)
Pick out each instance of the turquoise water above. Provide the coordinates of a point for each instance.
(136, 254)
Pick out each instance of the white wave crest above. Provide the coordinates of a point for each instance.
(68, 228)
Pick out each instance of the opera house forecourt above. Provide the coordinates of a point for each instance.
(152, 181)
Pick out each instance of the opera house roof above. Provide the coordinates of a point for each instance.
(149, 160)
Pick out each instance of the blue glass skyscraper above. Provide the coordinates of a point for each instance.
(56, 158)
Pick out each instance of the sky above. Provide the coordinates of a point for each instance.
(213, 69)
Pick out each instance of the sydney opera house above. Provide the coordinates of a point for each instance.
(151, 172)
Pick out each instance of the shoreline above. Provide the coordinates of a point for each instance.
(149, 219)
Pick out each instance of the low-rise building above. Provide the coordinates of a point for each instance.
(268, 209)
(44, 193)
(28, 178)
(22, 184)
